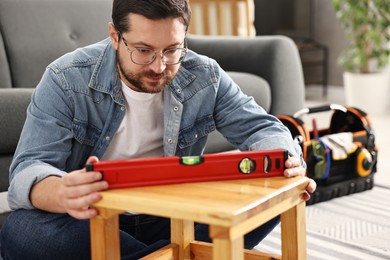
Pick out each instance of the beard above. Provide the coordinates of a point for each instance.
(137, 79)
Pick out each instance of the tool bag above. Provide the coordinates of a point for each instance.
(341, 157)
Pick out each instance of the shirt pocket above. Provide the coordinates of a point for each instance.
(201, 128)
(84, 133)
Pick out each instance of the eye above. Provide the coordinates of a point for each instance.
(145, 51)
(171, 52)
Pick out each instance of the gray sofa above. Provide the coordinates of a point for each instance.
(35, 32)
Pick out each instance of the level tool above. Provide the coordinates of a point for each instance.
(207, 167)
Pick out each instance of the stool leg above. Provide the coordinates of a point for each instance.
(228, 249)
(182, 234)
(224, 245)
(105, 238)
(293, 225)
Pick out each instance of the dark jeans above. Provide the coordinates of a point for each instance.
(34, 234)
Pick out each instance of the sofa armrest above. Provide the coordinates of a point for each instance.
(13, 106)
(274, 58)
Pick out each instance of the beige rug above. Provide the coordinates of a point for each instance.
(354, 227)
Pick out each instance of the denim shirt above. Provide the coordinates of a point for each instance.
(78, 106)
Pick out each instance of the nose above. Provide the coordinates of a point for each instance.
(158, 65)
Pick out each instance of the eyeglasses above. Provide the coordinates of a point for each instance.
(145, 56)
(322, 155)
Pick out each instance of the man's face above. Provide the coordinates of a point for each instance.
(156, 35)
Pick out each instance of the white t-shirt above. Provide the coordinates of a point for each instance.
(141, 131)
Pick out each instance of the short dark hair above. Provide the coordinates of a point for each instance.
(151, 9)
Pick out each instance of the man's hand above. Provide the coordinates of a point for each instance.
(79, 190)
(294, 168)
(73, 193)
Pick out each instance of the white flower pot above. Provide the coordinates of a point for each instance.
(369, 92)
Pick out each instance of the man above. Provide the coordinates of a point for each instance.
(140, 93)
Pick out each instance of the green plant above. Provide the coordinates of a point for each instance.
(367, 26)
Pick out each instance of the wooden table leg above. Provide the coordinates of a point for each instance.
(182, 234)
(293, 227)
(105, 237)
(225, 246)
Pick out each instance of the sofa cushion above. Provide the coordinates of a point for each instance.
(37, 32)
(5, 76)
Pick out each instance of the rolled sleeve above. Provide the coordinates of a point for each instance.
(21, 184)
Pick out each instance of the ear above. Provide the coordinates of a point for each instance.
(113, 35)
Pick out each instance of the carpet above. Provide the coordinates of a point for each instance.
(353, 227)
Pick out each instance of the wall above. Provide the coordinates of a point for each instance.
(325, 28)
(328, 31)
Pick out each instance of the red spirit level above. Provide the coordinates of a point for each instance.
(208, 167)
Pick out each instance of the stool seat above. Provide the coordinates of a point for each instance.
(232, 208)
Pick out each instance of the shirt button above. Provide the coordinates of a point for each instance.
(170, 141)
(175, 108)
(178, 91)
(107, 138)
(123, 108)
(196, 136)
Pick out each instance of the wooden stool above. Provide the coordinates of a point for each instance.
(231, 208)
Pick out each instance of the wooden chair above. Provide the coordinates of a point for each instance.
(222, 17)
